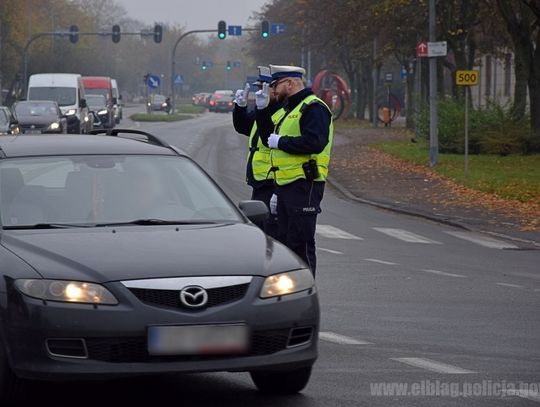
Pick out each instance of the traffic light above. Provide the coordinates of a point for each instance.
(222, 29)
(158, 33)
(228, 66)
(204, 67)
(265, 29)
(74, 34)
(116, 33)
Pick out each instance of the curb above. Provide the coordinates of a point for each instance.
(344, 191)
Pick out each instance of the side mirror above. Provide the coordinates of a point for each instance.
(114, 101)
(82, 103)
(256, 211)
(120, 97)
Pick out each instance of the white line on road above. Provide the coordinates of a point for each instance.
(442, 273)
(341, 339)
(389, 263)
(406, 236)
(433, 365)
(510, 285)
(332, 232)
(483, 240)
(329, 250)
(523, 393)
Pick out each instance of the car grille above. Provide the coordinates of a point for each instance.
(134, 350)
(171, 298)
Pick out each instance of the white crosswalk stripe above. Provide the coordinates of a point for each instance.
(406, 236)
(332, 232)
(433, 365)
(482, 240)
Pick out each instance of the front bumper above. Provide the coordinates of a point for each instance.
(115, 337)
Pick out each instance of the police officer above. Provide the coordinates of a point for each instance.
(258, 174)
(300, 143)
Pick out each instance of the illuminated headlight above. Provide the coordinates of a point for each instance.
(287, 283)
(66, 291)
(164, 104)
(54, 126)
(71, 112)
(86, 118)
(102, 112)
(149, 104)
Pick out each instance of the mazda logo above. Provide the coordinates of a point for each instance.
(193, 296)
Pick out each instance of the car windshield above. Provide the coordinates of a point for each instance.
(64, 96)
(35, 109)
(107, 189)
(97, 91)
(96, 101)
(4, 120)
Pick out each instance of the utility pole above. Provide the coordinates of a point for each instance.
(433, 122)
(375, 115)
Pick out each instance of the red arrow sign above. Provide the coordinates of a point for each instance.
(422, 50)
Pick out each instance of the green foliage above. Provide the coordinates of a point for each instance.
(492, 129)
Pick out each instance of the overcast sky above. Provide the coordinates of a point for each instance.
(193, 14)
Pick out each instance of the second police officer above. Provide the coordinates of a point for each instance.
(300, 143)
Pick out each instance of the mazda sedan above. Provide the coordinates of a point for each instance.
(120, 256)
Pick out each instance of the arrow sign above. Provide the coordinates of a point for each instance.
(277, 28)
(422, 50)
(153, 81)
(235, 30)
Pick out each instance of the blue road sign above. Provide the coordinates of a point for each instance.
(235, 30)
(403, 73)
(237, 64)
(277, 28)
(179, 79)
(153, 81)
(209, 64)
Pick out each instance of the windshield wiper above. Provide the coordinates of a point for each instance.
(151, 221)
(50, 226)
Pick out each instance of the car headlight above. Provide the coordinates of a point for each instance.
(71, 112)
(66, 291)
(102, 112)
(287, 283)
(164, 104)
(54, 126)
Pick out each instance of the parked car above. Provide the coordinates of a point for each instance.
(40, 116)
(8, 123)
(123, 257)
(101, 110)
(157, 103)
(221, 101)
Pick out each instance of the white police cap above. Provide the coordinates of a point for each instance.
(286, 71)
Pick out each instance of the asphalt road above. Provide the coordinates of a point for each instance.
(414, 313)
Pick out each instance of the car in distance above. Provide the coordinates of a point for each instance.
(8, 123)
(117, 102)
(101, 110)
(40, 116)
(157, 103)
(123, 257)
(221, 101)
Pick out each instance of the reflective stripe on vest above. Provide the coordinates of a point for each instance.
(290, 165)
(260, 161)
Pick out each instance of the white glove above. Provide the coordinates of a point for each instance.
(262, 97)
(273, 140)
(241, 96)
(273, 204)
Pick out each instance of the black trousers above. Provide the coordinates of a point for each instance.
(264, 193)
(298, 207)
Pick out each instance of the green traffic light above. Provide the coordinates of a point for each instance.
(221, 36)
(265, 35)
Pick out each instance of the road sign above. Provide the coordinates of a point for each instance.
(277, 28)
(235, 30)
(421, 50)
(179, 79)
(436, 49)
(153, 81)
(403, 73)
(237, 64)
(388, 77)
(467, 78)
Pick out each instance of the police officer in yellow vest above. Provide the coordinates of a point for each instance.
(300, 143)
(258, 174)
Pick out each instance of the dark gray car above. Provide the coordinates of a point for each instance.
(123, 257)
(40, 116)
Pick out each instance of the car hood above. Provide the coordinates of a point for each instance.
(26, 120)
(136, 252)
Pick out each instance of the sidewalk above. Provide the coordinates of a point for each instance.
(369, 176)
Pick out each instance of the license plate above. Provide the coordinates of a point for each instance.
(197, 339)
(33, 131)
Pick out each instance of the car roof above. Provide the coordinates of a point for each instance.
(73, 144)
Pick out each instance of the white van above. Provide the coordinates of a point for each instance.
(68, 91)
(117, 101)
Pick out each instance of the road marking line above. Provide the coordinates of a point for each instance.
(341, 339)
(510, 285)
(329, 250)
(332, 232)
(433, 365)
(406, 236)
(389, 263)
(482, 240)
(526, 394)
(442, 273)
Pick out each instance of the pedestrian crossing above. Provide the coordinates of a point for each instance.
(332, 232)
